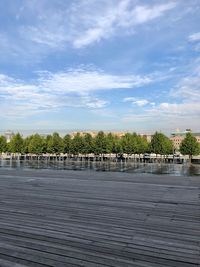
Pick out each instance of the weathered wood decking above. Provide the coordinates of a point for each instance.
(68, 218)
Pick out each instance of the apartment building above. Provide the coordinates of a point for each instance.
(177, 137)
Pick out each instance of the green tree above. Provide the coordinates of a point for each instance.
(67, 144)
(190, 146)
(3, 144)
(54, 144)
(36, 144)
(26, 144)
(142, 145)
(161, 144)
(100, 143)
(88, 143)
(110, 143)
(77, 144)
(16, 144)
(130, 143)
(117, 146)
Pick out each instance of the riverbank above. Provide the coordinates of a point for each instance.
(67, 218)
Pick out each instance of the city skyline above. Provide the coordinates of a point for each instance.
(120, 65)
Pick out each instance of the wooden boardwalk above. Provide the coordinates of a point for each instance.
(69, 218)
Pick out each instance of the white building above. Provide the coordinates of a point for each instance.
(8, 135)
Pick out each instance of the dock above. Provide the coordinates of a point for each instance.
(87, 218)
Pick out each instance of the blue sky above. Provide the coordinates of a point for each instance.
(118, 65)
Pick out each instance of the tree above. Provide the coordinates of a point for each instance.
(36, 144)
(3, 144)
(129, 143)
(26, 144)
(110, 141)
(67, 143)
(54, 144)
(117, 148)
(16, 144)
(100, 144)
(77, 144)
(190, 146)
(143, 145)
(161, 144)
(87, 143)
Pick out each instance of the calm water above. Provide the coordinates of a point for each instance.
(131, 167)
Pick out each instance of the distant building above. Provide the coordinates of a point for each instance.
(94, 133)
(73, 134)
(148, 137)
(177, 137)
(8, 135)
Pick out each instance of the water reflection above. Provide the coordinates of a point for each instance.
(131, 167)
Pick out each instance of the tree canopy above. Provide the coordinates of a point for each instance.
(190, 146)
(161, 144)
(102, 143)
(55, 144)
(37, 144)
(16, 144)
(3, 144)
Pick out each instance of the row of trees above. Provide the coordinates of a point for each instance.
(130, 143)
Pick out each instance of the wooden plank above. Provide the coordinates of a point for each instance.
(66, 218)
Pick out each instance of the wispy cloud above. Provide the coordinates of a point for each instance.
(81, 80)
(85, 22)
(123, 16)
(181, 110)
(53, 91)
(194, 37)
(138, 102)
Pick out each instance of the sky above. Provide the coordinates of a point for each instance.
(117, 65)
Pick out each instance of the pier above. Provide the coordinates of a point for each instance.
(72, 218)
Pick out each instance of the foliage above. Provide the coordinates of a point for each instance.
(26, 142)
(77, 144)
(36, 145)
(117, 146)
(87, 144)
(129, 143)
(3, 144)
(161, 144)
(67, 143)
(110, 142)
(190, 146)
(142, 145)
(54, 144)
(100, 143)
(16, 144)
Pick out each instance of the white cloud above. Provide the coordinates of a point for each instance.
(181, 110)
(138, 102)
(141, 103)
(45, 37)
(85, 22)
(81, 80)
(188, 88)
(194, 37)
(195, 40)
(123, 16)
(54, 91)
